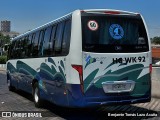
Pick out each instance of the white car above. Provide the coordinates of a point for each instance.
(158, 63)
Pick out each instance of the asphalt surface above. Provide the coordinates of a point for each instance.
(22, 102)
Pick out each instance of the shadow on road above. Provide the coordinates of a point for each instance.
(102, 113)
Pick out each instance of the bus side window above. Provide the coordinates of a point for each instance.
(66, 38)
(12, 50)
(46, 43)
(8, 52)
(21, 48)
(52, 41)
(41, 42)
(58, 38)
(16, 49)
(30, 45)
(25, 49)
(35, 44)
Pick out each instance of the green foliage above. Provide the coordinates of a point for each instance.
(3, 59)
(155, 40)
(4, 40)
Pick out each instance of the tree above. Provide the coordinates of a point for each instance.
(155, 40)
(4, 40)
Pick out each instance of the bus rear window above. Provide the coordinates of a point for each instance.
(113, 33)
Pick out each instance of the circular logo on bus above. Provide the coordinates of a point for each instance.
(93, 25)
(116, 31)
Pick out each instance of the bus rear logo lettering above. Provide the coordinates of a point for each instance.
(129, 60)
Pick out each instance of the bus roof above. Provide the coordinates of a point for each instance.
(110, 11)
(100, 11)
(45, 25)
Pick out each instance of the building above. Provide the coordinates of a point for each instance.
(6, 29)
(11, 34)
(155, 53)
(5, 26)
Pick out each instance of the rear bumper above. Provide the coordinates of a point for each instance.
(77, 99)
(118, 102)
(90, 103)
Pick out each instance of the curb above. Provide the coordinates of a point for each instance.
(1, 69)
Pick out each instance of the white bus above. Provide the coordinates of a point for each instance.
(83, 59)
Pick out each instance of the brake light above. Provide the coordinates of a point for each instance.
(112, 12)
(150, 68)
(79, 69)
(82, 11)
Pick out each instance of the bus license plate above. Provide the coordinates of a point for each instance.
(116, 87)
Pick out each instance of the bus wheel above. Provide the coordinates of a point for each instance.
(36, 95)
(10, 87)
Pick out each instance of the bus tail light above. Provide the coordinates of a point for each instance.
(79, 69)
(150, 68)
(112, 12)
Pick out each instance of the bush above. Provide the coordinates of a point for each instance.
(3, 59)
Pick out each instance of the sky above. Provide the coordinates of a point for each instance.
(28, 14)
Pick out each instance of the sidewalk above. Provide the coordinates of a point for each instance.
(155, 89)
(2, 69)
(156, 82)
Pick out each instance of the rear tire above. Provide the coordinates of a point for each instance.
(10, 87)
(36, 96)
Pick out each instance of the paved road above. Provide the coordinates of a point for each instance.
(21, 101)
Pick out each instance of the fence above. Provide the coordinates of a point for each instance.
(2, 66)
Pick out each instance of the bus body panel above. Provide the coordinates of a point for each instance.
(101, 68)
(49, 72)
(60, 82)
(75, 53)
